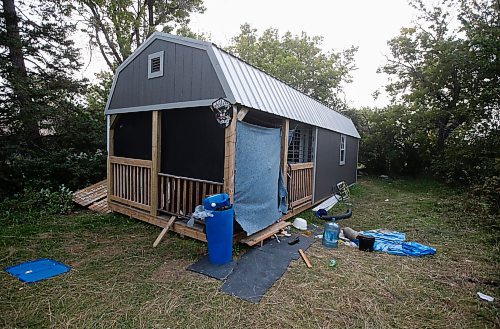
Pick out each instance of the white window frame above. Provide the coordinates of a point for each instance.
(342, 148)
(159, 54)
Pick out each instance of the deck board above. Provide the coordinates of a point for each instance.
(93, 197)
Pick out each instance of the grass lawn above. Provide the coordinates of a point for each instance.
(119, 280)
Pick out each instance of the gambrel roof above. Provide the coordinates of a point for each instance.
(246, 85)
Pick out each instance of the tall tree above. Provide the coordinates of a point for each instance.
(39, 94)
(299, 61)
(449, 76)
(117, 27)
(37, 62)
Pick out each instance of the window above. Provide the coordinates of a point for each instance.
(300, 144)
(342, 150)
(155, 65)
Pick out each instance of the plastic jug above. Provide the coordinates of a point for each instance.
(331, 235)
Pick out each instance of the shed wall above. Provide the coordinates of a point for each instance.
(132, 135)
(328, 170)
(188, 75)
(192, 144)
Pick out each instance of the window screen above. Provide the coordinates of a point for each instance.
(300, 144)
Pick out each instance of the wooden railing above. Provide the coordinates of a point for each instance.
(300, 183)
(131, 182)
(180, 195)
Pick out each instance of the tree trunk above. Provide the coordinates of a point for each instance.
(151, 21)
(18, 75)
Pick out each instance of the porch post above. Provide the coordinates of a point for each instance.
(284, 148)
(111, 150)
(230, 156)
(155, 160)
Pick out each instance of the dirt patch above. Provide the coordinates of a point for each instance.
(175, 269)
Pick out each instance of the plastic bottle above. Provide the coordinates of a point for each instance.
(331, 235)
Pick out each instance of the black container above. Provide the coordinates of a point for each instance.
(366, 242)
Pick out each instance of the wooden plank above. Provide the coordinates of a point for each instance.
(155, 161)
(131, 162)
(130, 203)
(284, 147)
(230, 156)
(113, 119)
(100, 206)
(110, 167)
(183, 229)
(191, 179)
(301, 201)
(304, 257)
(242, 113)
(164, 231)
(295, 211)
(137, 214)
(91, 194)
(305, 165)
(265, 233)
(184, 197)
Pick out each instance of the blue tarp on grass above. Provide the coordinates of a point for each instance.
(37, 270)
(395, 243)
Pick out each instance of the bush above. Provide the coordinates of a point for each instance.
(33, 203)
(489, 193)
(52, 169)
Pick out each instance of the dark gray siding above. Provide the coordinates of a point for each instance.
(188, 75)
(328, 170)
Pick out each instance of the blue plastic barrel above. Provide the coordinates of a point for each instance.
(220, 200)
(219, 231)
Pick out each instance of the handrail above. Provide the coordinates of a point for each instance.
(305, 165)
(131, 162)
(190, 179)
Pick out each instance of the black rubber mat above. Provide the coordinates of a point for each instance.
(220, 272)
(258, 269)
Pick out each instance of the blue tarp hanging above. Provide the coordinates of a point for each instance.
(395, 243)
(256, 194)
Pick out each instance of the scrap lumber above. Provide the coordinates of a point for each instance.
(265, 233)
(93, 197)
(305, 258)
(164, 231)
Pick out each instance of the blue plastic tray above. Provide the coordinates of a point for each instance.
(37, 270)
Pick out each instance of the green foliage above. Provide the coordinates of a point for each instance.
(32, 203)
(469, 158)
(489, 191)
(390, 142)
(449, 77)
(49, 170)
(297, 60)
(445, 114)
(117, 27)
(44, 125)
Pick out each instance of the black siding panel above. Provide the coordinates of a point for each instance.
(192, 144)
(328, 170)
(132, 135)
(188, 75)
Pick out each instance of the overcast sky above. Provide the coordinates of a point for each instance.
(367, 24)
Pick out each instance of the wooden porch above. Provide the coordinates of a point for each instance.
(138, 189)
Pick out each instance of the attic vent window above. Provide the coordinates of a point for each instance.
(155, 65)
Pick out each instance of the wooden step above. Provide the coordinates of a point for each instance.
(265, 233)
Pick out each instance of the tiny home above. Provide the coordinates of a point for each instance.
(186, 120)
